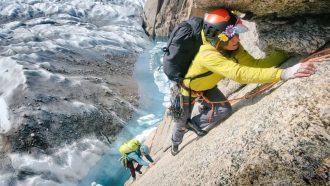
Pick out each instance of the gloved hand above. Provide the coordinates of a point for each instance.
(297, 71)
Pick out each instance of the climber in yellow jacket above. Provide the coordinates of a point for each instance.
(222, 54)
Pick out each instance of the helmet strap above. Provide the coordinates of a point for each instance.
(217, 45)
(214, 42)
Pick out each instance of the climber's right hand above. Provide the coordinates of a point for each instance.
(297, 71)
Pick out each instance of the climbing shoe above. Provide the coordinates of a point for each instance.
(174, 149)
(140, 172)
(196, 129)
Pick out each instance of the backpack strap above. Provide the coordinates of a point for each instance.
(200, 75)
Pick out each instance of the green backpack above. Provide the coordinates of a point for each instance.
(125, 148)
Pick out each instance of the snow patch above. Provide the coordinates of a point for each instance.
(11, 76)
(67, 165)
(5, 125)
(149, 119)
(142, 137)
(83, 107)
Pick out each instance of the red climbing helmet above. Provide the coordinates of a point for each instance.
(222, 24)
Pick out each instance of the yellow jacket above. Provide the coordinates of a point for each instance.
(242, 68)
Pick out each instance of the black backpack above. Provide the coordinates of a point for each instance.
(182, 46)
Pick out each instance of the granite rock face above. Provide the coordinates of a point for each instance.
(295, 26)
(271, 7)
(161, 19)
(280, 137)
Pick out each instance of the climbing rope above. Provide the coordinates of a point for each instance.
(152, 140)
(323, 54)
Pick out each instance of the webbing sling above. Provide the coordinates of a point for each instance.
(189, 88)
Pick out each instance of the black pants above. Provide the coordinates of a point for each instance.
(130, 165)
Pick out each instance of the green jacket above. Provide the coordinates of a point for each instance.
(242, 68)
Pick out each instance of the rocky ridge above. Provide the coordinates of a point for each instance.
(280, 137)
